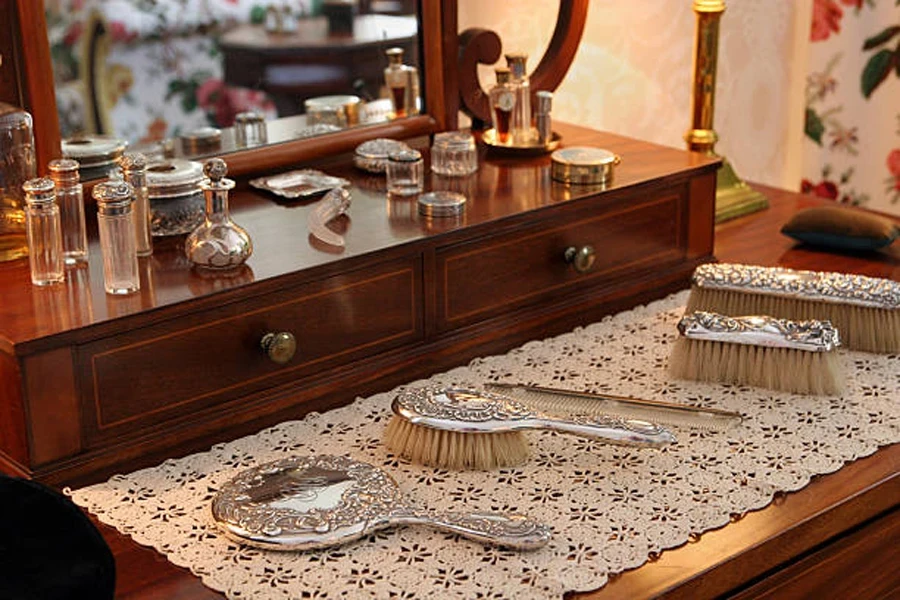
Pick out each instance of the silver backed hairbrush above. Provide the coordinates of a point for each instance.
(466, 428)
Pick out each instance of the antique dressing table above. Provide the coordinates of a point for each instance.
(93, 385)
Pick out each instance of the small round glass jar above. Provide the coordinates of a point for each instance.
(176, 200)
(405, 173)
(453, 153)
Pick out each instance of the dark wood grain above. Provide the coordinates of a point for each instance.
(132, 377)
(838, 533)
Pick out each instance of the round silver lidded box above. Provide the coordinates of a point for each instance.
(583, 165)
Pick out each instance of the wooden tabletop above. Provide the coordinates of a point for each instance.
(739, 556)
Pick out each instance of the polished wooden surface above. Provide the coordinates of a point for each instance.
(834, 538)
(121, 397)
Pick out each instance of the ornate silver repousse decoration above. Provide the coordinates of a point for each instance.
(811, 285)
(303, 503)
(812, 335)
(476, 411)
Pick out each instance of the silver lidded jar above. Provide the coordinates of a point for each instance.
(70, 198)
(115, 205)
(45, 251)
(405, 173)
(17, 165)
(218, 243)
(134, 172)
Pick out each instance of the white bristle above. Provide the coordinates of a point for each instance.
(862, 328)
(453, 449)
(784, 369)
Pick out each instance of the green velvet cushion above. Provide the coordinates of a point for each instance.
(841, 227)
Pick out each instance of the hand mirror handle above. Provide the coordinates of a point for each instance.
(511, 531)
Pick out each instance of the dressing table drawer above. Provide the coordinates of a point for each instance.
(582, 250)
(206, 360)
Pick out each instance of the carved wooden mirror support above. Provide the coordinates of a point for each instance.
(483, 46)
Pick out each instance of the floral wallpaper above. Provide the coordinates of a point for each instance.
(164, 69)
(852, 123)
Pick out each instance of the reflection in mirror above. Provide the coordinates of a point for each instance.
(192, 78)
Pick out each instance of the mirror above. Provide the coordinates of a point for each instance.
(284, 145)
(171, 77)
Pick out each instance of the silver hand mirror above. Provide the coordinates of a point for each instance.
(302, 503)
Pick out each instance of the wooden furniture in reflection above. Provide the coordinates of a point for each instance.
(312, 62)
(178, 366)
(835, 538)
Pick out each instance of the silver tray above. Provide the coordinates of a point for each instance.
(301, 183)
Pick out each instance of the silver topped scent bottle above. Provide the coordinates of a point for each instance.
(70, 198)
(45, 249)
(134, 172)
(218, 243)
(115, 224)
(521, 129)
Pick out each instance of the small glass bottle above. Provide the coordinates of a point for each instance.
(405, 173)
(134, 173)
(503, 102)
(45, 250)
(402, 82)
(115, 220)
(17, 165)
(542, 119)
(520, 128)
(218, 243)
(70, 198)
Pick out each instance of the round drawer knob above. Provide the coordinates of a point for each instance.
(279, 347)
(581, 259)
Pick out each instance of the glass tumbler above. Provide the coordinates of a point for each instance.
(453, 153)
(405, 173)
(115, 220)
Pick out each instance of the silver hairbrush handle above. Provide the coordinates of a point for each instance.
(511, 531)
(628, 432)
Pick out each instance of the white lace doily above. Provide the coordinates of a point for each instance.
(610, 506)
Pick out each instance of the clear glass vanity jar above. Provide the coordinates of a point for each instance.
(176, 200)
(453, 153)
(17, 165)
(70, 199)
(405, 173)
(115, 221)
(45, 250)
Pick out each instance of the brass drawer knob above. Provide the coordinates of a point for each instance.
(581, 259)
(279, 347)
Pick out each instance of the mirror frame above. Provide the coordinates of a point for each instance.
(438, 47)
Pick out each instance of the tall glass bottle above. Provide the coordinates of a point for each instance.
(70, 198)
(402, 82)
(17, 165)
(503, 103)
(45, 251)
(115, 221)
(134, 172)
(522, 132)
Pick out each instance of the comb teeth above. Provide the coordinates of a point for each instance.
(569, 402)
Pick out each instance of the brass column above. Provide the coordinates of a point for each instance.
(733, 197)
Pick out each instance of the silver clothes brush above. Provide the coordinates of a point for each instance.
(866, 310)
(562, 402)
(461, 428)
(792, 356)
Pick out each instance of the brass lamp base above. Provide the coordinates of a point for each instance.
(734, 198)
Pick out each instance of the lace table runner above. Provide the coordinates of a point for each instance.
(610, 506)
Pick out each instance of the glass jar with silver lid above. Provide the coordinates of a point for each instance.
(176, 200)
